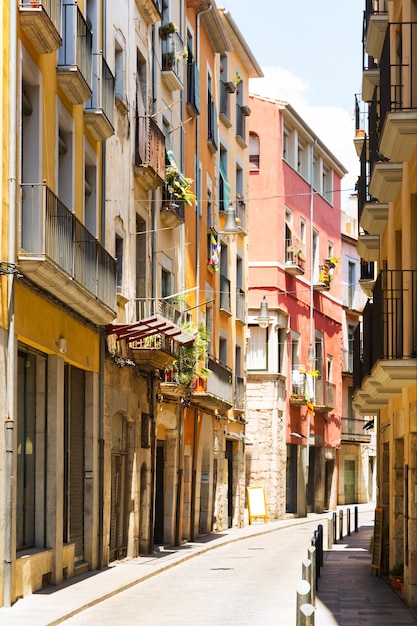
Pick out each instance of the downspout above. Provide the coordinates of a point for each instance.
(7, 596)
(102, 343)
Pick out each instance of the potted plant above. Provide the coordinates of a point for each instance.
(191, 362)
(169, 28)
(397, 573)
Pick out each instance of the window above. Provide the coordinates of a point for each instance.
(351, 335)
(327, 187)
(166, 283)
(254, 152)
(90, 192)
(315, 255)
(119, 263)
(257, 350)
(224, 185)
(223, 350)
(119, 77)
(352, 284)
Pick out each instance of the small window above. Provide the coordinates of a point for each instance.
(254, 152)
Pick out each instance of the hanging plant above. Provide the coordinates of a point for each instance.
(169, 28)
(179, 186)
(192, 359)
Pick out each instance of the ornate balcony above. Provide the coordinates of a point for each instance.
(74, 67)
(294, 257)
(149, 158)
(57, 253)
(99, 110)
(41, 21)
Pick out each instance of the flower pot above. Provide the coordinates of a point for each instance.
(396, 582)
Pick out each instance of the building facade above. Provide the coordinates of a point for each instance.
(294, 387)
(385, 347)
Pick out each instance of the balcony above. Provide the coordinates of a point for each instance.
(399, 92)
(369, 247)
(149, 158)
(172, 212)
(294, 257)
(353, 430)
(172, 70)
(242, 112)
(156, 336)
(225, 299)
(239, 401)
(99, 110)
(324, 396)
(298, 388)
(216, 392)
(193, 89)
(368, 277)
(58, 254)
(385, 354)
(226, 88)
(74, 67)
(212, 129)
(347, 361)
(386, 181)
(374, 217)
(240, 305)
(41, 22)
(151, 10)
(376, 24)
(353, 297)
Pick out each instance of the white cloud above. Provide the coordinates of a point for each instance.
(333, 125)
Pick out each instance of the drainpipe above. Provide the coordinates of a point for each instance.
(7, 596)
(101, 453)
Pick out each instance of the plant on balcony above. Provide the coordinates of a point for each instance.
(324, 276)
(169, 28)
(192, 358)
(178, 186)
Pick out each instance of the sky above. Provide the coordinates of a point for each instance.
(311, 56)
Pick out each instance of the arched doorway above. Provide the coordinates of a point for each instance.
(118, 514)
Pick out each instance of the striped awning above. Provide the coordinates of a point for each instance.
(147, 327)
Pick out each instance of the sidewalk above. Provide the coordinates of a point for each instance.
(348, 595)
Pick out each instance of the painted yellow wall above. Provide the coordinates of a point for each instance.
(40, 324)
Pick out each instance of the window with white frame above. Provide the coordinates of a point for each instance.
(257, 349)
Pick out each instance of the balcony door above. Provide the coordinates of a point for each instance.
(349, 482)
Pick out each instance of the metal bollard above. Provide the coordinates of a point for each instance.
(307, 615)
(341, 524)
(317, 544)
(306, 572)
(303, 597)
(320, 529)
(330, 539)
(334, 528)
(312, 555)
(356, 519)
(348, 521)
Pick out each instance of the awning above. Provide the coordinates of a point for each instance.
(148, 327)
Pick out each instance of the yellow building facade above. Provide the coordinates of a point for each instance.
(385, 367)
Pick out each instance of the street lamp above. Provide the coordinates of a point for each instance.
(231, 226)
(263, 318)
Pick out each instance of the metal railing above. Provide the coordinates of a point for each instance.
(146, 307)
(324, 393)
(353, 429)
(103, 89)
(398, 79)
(389, 325)
(77, 42)
(49, 228)
(225, 300)
(240, 212)
(193, 86)
(240, 304)
(51, 7)
(172, 55)
(240, 122)
(219, 382)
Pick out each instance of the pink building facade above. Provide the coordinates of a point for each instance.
(294, 390)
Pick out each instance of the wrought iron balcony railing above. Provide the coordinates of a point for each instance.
(173, 61)
(53, 237)
(219, 382)
(225, 300)
(75, 56)
(240, 305)
(354, 430)
(99, 110)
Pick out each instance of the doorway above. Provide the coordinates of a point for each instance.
(118, 515)
(159, 494)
